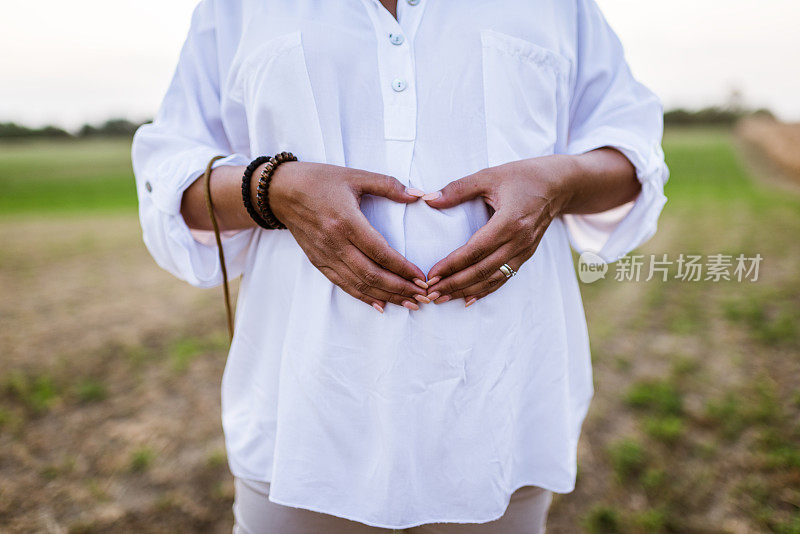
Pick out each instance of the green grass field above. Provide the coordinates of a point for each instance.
(74, 176)
(66, 177)
(695, 425)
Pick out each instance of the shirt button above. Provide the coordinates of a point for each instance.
(398, 84)
(412, 2)
(396, 38)
(148, 186)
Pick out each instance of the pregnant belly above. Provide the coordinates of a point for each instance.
(423, 234)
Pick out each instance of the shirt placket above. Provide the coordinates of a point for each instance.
(395, 52)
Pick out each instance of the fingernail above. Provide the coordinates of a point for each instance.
(470, 302)
(378, 307)
(420, 283)
(442, 300)
(432, 196)
(423, 299)
(435, 295)
(410, 305)
(433, 280)
(414, 192)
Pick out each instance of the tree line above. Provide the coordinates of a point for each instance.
(109, 128)
(713, 115)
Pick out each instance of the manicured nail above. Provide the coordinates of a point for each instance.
(442, 300)
(432, 196)
(410, 305)
(414, 192)
(420, 283)
(378, 307)
(433, 280)
(423, 299)
(435, 295)
(470, 302)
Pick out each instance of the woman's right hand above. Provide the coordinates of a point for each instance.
(320, 205)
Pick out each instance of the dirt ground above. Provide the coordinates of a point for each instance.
(113, 427)
(777, 141)
(110, 375)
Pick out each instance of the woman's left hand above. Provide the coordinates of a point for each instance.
(526, 196)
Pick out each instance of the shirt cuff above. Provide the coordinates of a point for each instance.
(167, 193)
(189, 254)
(613, 233)
(196, 253)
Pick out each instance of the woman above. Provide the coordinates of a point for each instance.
(388, 371)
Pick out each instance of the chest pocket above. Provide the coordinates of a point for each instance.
(271, 84)
(524, 86)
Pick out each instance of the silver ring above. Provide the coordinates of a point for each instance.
(507, 270)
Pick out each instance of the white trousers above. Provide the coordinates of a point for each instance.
(254, 513)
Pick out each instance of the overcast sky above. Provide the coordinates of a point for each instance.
(71, 62)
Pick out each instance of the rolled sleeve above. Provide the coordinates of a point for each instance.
(173, 151)
(610, 108)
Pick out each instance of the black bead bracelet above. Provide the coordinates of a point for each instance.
(248, 203)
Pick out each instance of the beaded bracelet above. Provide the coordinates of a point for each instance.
(262, 191)
(248, 203)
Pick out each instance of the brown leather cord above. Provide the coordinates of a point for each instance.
(210, 206)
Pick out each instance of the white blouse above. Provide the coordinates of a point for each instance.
(407, 417)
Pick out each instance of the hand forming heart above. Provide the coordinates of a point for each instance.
(319, 204)
(526, 196)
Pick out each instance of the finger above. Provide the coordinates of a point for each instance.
(369, 183)
(476, 273)
(487, 239)
(360, 286)
(476, 292)
(375, 276)
(328, 260)
(334, 277)
(458, 191)
(367, 239)
(492, 283)
(351, 284)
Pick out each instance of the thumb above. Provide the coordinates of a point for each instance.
(386, 186)
(456, 192)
